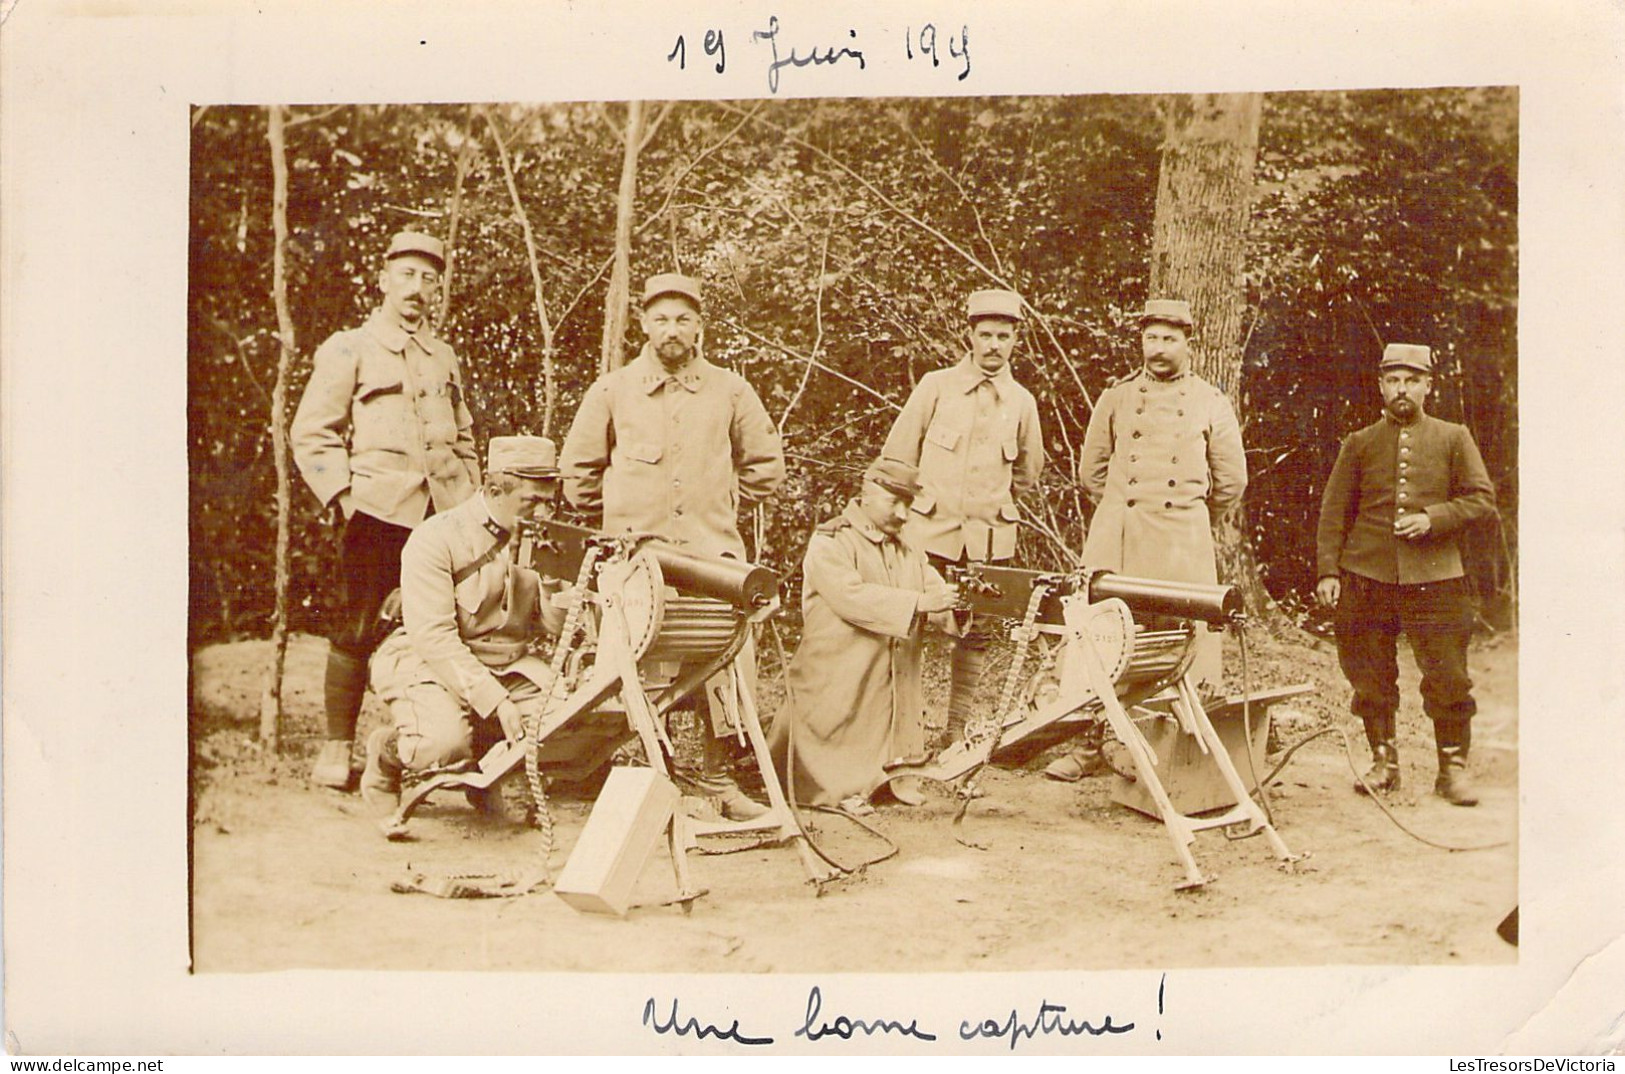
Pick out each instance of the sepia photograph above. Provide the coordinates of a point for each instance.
(788, 529)
(870, 414)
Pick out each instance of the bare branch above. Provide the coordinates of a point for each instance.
(549, 381)
(315, 116)
(654, 124)
(935, 232)
(792, 352)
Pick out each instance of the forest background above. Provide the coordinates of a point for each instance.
(837, 239)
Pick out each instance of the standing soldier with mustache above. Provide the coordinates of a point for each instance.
(1399, 495)
(381, 432)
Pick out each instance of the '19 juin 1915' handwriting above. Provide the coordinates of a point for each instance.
(926, 43)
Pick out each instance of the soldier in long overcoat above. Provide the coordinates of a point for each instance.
(854, 698)
(1162, 462)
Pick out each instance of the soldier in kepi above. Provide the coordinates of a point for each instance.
(1162, 462)
(1388, 560)
(459, 675)
(975, 436)
(383, 435)
(853, 699)
(672, 445)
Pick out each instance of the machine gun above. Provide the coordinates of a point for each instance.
(1104, 662)
(649, 625)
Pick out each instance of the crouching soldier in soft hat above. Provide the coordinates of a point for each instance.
(459, 673)
(854, 698)
(1388, 560)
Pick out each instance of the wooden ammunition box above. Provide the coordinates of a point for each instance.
(626, 823)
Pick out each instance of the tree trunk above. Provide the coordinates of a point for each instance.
(617, 300)
(1198, 248)
(271, 699)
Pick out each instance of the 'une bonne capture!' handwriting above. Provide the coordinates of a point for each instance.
(1050, 1018)
(925, 44)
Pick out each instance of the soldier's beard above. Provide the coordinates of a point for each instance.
(674, 354)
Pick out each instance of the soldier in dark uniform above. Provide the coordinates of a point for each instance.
(1388, 560)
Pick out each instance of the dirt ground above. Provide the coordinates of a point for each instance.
(289, 876)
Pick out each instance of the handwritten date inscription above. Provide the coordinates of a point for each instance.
(925, 44)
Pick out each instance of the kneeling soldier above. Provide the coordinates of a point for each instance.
(458, 673)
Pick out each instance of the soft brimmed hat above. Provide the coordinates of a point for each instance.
(522, 456)
(671, 283)
(895, 476)
(1169, 311)
(416, 242)
(1006, 304)
(1407, 356)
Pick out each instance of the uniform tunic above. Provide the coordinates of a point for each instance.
(1392, 585)
(1162, 460)
(672, 454)
(382, 426)
(463, 647)
(854, 700)
(977, 442)
(1387, 470)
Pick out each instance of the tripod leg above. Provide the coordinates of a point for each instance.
(778, 804)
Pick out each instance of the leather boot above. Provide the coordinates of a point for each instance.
(332, 767)
(1085, 760)
(716, 782)
(381, 779)
(1383, 775)
(344, 689)
(1453, 784)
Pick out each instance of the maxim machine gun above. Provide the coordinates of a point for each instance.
(647, 625)
(1102, 663)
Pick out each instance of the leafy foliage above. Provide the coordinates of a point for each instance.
(849, 232)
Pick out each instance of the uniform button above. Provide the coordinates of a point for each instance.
(1133, 458)
(1134, 481)
(1169, 505)
(1141, 410)
(1131, 503)
(1402, 497)
(1142, 389)
(1181, 413)
(1175, 459)
(1404, 436)
(1136, 434)
(1170, 482)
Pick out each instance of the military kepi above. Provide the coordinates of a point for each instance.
(1006, 304)
(671, 283)
(416, 242)
(1407, 356)
(895, 476)
(1173, 311)
(522, 456)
